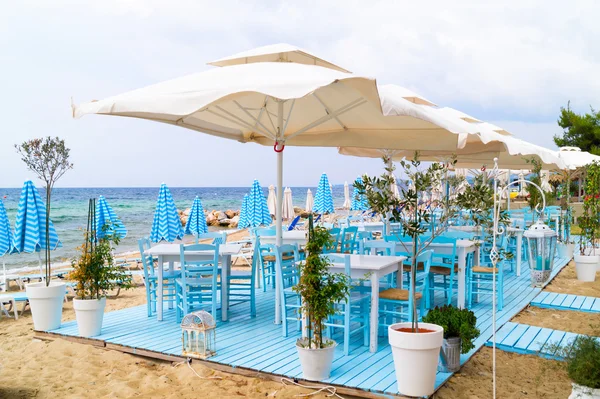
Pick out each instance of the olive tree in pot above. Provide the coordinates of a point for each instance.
(460, 331)
(582, 363)
(48, 158)
(320, 291)
(95, 274)
(586, 261)
(566, 245)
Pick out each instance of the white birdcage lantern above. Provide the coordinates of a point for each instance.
(198, 331)
(541, 243)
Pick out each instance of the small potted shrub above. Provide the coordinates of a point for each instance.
(586, 261)
(95, 274)
(320, 291)
(459, 333)
(582, 362)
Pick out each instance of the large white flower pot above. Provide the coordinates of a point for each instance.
(316, 363)
(416, 357)
(46, 304)
(581, 392)
(586, 266)
(565, 250)
(89, 314)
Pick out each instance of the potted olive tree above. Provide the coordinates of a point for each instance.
(320, 291)
(48, 158)
(582, 363)
(566, 245)
(586, 260)
(95, 274)
(460, 331)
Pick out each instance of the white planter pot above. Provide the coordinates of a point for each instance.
(89, 314)
(581, 392)
(586, 266)
(316, 363)
(565, 250)
(416, 357)
(46, 304)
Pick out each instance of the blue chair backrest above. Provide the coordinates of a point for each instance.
(442, 259)
(348, 238)
(147, 260)
(294, 223)
(288, 271)
(365, 235)
(335, 236)
(378, 247)
(425, 257)
(217, 237)
(202, 272)
(343, 259)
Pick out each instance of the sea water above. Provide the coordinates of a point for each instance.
(134, 206)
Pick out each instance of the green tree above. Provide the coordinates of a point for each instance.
(579, 130)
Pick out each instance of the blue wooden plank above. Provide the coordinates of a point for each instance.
(514, 335)
(526, 339)
(550, 347)
(578, 302)
(596, 306)
(558, 301)
(569, 301)
(587, 303)
(540, 340)
(549, 298)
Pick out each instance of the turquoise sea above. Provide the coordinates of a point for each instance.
(135, 207)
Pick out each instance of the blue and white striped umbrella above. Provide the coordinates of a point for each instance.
(166, 224)
(196, 223)
(105, 216)
(6, 239)
(244, 222)
(359, 201)
(30, 226)
(258, 211)
(323, 199)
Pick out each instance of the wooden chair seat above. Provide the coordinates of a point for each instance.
(398, 294)
(442, 270)
(483, 269)
(408, 268)
(271, 258)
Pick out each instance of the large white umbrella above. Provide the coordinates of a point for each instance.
(310, 201)
(574, 158)
(288, 204)
(347, 202)
(272, 200)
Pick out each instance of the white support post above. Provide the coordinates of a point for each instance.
(279, 208)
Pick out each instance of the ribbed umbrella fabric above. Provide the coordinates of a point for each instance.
(272, 200)
(359, 201)
(196, 222)
(105, 216)
(395, 189)
(243, 222)
(166, 224)
(288, 204)
(258, 211)
(6, 239)
(30, 225)
(310, 201)
(347, 202)
(323, 199)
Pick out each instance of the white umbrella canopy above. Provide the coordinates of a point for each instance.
(272, 200)
(407, 94)
(347, 202)
(574, 158)
(310, 201)
(288, 204)
(281, 52)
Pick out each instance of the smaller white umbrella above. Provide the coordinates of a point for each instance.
(288, 205)
(309, 201)
(347, 202)
(545, 175)
(395, 189)
(272, 200)
(523, 192)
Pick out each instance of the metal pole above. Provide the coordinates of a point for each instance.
(279, 208)
(508, 193)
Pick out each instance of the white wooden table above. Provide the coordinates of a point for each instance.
(171, 253)
(299, 237)
(376, 267)
(463, 248)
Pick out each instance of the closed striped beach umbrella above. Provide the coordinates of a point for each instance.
(196, 222)
(258, 211)
(359, 201)
(166, 224)
(243, 222)
(323, 198)
(105, 216)
(30, 226)
(6, 239)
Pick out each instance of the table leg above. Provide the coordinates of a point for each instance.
(400, 275)
(374, 322)
(519, 250)
(171, 269)
(462, 274)
(159, 294)
(225, 268)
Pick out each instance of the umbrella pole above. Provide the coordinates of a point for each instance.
(279, 208)
(508, 193)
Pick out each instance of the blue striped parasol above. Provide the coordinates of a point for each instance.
(166, 224)
(323, 199)
(105, 216)
(359, 201)
(30, 226)
(6, 239)
(243, 222)
(258, 211)
(196, 223)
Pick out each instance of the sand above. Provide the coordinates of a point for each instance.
(571, 321)
(566, 282)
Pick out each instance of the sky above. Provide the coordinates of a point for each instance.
(512, 63)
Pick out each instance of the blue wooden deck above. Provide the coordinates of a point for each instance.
(257, 343)
(552, 300)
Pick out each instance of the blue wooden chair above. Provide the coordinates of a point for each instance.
(151, 280)
(266, 258)
(241, 286)
(217, 237)
(348, 242)
(392, 301)
(335, 234)
(444, 266)
(381, 248)
(352, 314)
(198, 285)
(480, 277)
(288, 275)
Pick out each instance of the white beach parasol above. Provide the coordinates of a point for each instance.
(272, 200)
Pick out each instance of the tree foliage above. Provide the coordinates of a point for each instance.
(457, 323)
(579, 130)
(588, 221)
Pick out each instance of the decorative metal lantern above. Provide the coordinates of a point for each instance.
(198, 335)
(541, 241)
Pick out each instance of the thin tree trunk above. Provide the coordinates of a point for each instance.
(413, 274)
(47, 252)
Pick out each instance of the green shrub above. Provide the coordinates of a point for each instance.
(582, 361)
(457, 323)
